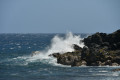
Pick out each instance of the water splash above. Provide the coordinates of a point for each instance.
(58, 45)
(64, 44)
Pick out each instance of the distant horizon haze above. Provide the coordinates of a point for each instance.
(59, 16)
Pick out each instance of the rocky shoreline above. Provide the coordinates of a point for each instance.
(100, 49)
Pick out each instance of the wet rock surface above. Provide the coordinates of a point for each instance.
(100, 49)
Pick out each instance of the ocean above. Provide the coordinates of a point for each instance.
(26, 57)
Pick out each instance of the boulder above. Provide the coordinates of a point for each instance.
(68, 59)
(108, 62)
(83, 63)
(115, 64)
(76, 47)
(116, 59)
(76, 63)
(55, 55)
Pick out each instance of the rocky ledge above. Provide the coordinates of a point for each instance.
(100, 49)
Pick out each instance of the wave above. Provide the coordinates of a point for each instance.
(58, 45)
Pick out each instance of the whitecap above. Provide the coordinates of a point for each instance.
(11, 48)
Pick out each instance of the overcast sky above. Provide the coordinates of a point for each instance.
(59, 16)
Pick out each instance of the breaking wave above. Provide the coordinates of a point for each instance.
(58, 45)
(64, 44)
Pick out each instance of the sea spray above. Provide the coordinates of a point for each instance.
(64, 44)
(61, 44)
(58, 45)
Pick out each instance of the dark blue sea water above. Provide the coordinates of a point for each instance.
(16, 62)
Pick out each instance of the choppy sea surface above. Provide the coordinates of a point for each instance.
(25, 57)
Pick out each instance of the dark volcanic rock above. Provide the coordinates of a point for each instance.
(68, 59)
(94, 39)
(100, 49)
(111, 40)
(55, 55)
(105, 44)
(76, 47)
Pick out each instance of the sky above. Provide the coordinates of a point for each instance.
(59, 16)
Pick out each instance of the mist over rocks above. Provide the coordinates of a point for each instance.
(100, 49)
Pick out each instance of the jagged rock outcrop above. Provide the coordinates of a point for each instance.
(112, 41)
(100, 49)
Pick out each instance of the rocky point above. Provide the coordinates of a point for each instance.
(100, 49)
